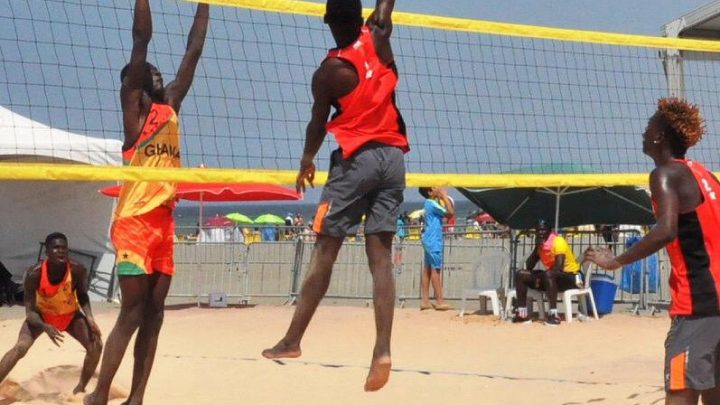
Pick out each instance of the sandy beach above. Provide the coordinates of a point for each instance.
(212, 356)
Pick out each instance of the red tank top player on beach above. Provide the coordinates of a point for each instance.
(368, 113)
(57, 303)
(695, 251)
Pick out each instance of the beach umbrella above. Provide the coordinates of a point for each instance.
(218, 221)
(216, 192)
(239, 218)
(417, 214)
(269, 219)
(225, 192)
(235, 192)
(484, 218)
(522, 207)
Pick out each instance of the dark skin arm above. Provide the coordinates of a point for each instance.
(532, 260)
(675, 191)
(559, 265)
(81, 285)
(32, 314)
(333, 79)
(131, 91)
(176, 91)
(380, 22)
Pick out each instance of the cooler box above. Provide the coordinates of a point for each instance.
(603, 288)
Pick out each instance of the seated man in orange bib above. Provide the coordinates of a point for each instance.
(56, 301)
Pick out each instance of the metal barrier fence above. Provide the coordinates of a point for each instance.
(276, 269)
(201, 269)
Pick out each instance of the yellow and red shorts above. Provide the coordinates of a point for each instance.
(60, 322)
(144, 243)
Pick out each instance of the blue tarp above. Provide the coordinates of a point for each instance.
(631, 273)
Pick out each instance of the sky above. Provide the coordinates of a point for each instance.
(473, 104)
(644, 17)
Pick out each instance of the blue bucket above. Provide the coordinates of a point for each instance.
(604, 289)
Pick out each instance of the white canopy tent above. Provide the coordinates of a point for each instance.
(33, 209)
(702, 23)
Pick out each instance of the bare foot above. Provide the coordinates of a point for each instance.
(378, 374)
(282, 350)
(91, 399)
(80, 388)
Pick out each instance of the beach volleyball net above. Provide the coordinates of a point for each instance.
(486, 104)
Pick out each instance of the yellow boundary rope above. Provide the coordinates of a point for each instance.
(78, 172)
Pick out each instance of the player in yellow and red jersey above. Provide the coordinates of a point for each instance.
(143, 226)
(56, 301)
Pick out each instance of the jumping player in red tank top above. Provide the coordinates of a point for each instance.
(685, 198)
(367, 172)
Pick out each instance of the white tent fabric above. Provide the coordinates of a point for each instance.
(25, 140)
(33, 209)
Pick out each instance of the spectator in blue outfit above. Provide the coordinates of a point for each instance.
(432, 240)
(269, 234)
(401, 231)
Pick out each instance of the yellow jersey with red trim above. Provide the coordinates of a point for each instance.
(557, 245)
(56, 300)
(157, 146)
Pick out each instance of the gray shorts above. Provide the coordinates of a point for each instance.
(691, 353)
(371, 183)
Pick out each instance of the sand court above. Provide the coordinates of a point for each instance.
(212, 356)
(53, 385)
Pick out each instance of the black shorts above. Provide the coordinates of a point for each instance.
(371, 183)
(691, 353)
(564, 281)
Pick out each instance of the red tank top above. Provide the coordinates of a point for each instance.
(57, 303)
(368, 113)
(695, 252)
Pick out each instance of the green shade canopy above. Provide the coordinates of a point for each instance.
(239, 218)
(522, 207)
(269, 219)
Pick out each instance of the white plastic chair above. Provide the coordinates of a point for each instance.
(568, 295)
(487, 279)
(580, 292)
(533, 295)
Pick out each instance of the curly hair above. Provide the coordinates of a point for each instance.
(684, 124)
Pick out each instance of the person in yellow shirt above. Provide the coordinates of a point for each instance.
(560, 274)
(143, 228)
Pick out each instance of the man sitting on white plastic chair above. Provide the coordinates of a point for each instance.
(562, 273)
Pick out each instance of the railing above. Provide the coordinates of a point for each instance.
(276, 269)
